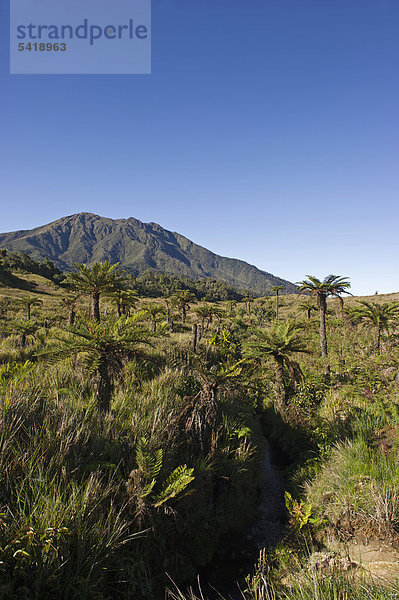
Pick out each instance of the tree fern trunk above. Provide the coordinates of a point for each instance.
(96, 306)
(194, 337)
(103, 388)
(280, 388)
(323, 334)
(72, 315)
(378, 340)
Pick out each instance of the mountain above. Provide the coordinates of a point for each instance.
(88, 238)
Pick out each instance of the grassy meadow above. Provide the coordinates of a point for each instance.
(131, 444)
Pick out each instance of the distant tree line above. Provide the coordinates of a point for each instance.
(21, 262)
(156, 285)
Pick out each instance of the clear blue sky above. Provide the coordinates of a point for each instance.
(268, 131)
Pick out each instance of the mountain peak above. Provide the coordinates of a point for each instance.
(87, 238)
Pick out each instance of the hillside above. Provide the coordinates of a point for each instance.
(88, 238)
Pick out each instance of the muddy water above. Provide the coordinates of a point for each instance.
(238, 554)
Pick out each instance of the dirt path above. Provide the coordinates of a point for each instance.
(268, 527)
(238, 555)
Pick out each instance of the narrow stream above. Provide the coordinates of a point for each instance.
(238, 554)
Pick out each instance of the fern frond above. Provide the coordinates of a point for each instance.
(149, 463)
(177, 482)
(148, 489)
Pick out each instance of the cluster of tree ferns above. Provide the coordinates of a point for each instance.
(132, 428)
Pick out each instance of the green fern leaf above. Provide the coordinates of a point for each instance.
(149, 463)
(177, 481)
(148, 489)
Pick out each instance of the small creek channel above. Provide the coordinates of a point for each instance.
(237, 554)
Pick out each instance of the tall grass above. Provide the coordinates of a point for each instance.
(311, 586)
(359, 482)
(69, 527)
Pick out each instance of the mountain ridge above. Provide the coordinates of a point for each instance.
(137, 246)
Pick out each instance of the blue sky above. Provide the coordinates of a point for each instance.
(267, 131)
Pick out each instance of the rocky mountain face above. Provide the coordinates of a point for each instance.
(138, 247)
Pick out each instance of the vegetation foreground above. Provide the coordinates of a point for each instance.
(135, 416)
